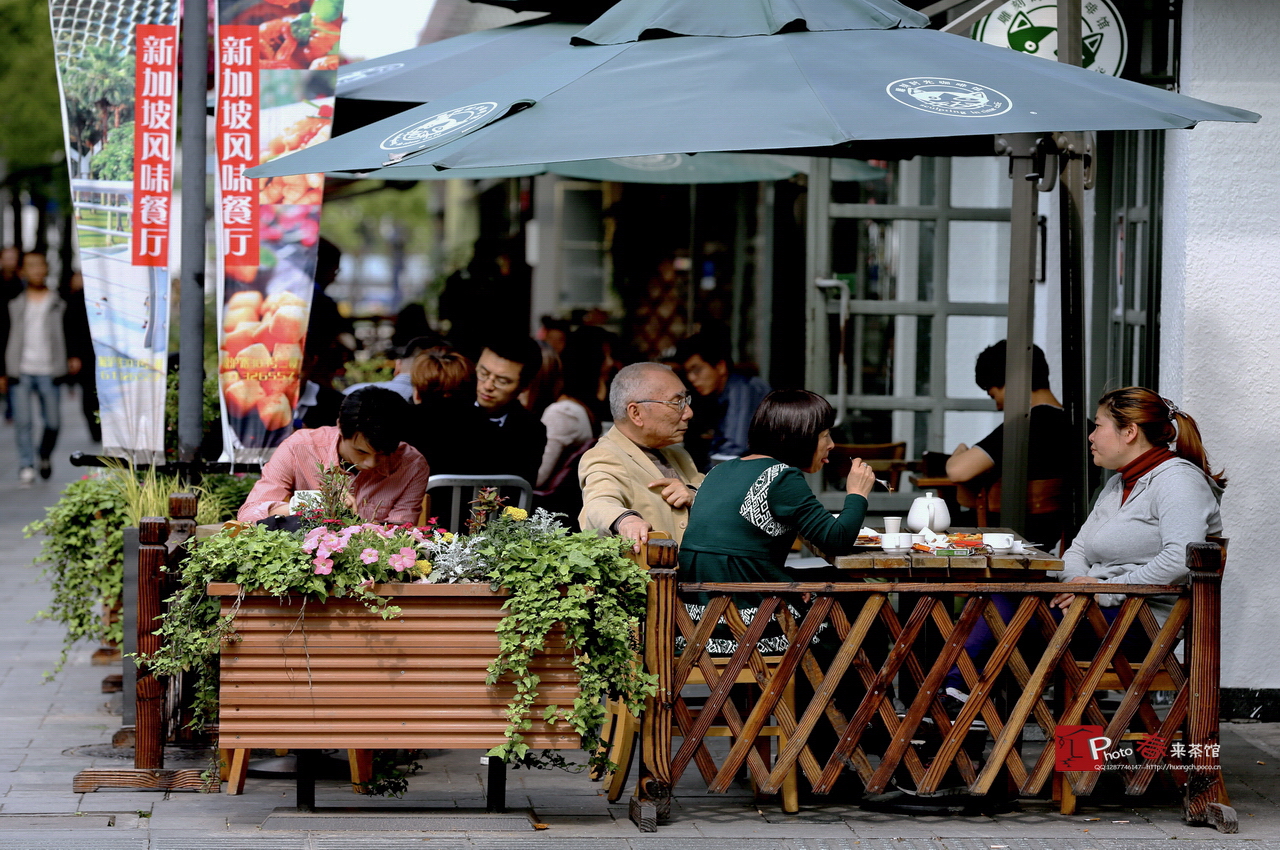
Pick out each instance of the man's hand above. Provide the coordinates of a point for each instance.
(637, 529)
(673, 492)
(1064, 600)
(4, 383)
(280, 510)
(74, 366)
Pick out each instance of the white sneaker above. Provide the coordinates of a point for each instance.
(27, 476)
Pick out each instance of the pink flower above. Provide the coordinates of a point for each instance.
(405, 559)
(324, 566)
(369, 556)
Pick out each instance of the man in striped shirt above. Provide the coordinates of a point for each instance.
(388, 477)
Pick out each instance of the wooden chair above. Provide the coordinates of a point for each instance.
(618, 737)
(1044, 496)
(1112, 681)
(887, 459)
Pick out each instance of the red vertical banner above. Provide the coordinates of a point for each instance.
(277, 68)
(237, 144)
(155, 116)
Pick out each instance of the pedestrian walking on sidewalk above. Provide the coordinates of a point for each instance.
(35, 356)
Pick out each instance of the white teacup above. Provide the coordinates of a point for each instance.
(998, 540)
(895, 541)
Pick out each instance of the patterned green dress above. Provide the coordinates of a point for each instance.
(741, 526)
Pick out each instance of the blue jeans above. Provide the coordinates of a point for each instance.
(28, 389)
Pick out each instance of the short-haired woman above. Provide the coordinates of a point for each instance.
(1165, 497)
(749, 510)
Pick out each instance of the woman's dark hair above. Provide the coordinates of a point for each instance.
(787, 424)
(376, 413)
(583, 359)
(1161, 422)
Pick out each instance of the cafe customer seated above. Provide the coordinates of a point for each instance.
(1165, 496)
(750, 509)
(388, 476)
(978, 468)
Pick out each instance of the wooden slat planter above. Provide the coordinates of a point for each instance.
(340, 676)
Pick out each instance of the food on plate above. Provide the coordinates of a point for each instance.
(296, 41)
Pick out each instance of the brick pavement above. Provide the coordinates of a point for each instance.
(49, 731)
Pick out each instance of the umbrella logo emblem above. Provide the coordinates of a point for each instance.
(949, 97)
(352, 77)
(426, 132)
(653, 162)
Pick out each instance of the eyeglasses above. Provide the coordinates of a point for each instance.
(500, 381)
(678, 405)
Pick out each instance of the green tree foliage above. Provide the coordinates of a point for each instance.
(100, 83)
(31, 132)
(115, 160)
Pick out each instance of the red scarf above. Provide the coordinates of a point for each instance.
(1140, 466)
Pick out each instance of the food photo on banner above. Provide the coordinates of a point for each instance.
(119, 102)
(276, 69)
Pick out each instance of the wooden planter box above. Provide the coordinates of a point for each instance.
(340, 676)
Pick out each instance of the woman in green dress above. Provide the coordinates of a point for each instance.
(748, 511)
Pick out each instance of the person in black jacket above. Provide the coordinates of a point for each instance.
(496, 435)
(80, 346)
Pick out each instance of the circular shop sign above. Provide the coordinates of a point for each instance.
(427, 131)
(1031, 26)
(944, 96)
(351, 77)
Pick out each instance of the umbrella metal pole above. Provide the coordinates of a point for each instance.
(818, 266)
(1023, 235)
(195, 48)
(694, 280)
(1071, 178)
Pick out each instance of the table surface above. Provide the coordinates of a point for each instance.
(1022, 567)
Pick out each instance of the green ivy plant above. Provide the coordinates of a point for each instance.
(584, 582)
(83, 550)
(83, 558)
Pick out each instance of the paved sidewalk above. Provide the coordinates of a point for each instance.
(50, 731)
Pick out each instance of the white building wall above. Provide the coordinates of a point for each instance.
(1220, 325)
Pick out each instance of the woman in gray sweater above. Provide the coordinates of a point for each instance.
(1165, 497)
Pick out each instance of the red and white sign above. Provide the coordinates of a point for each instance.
(156, 109)
(237, 140)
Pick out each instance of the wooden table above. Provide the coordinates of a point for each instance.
(876, 563)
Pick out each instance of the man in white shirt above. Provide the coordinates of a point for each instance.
(35, 357)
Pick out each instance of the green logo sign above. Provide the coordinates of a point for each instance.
(1031, 26)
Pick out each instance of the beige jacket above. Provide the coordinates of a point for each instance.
(614, 475)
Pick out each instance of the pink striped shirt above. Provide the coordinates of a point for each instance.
(388, 493)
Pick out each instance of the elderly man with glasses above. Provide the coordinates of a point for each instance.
(638, 478)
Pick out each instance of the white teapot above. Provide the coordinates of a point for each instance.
(930, 512)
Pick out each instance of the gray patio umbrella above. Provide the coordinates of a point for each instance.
(675, 76)
(662, 168)
(424, 73)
